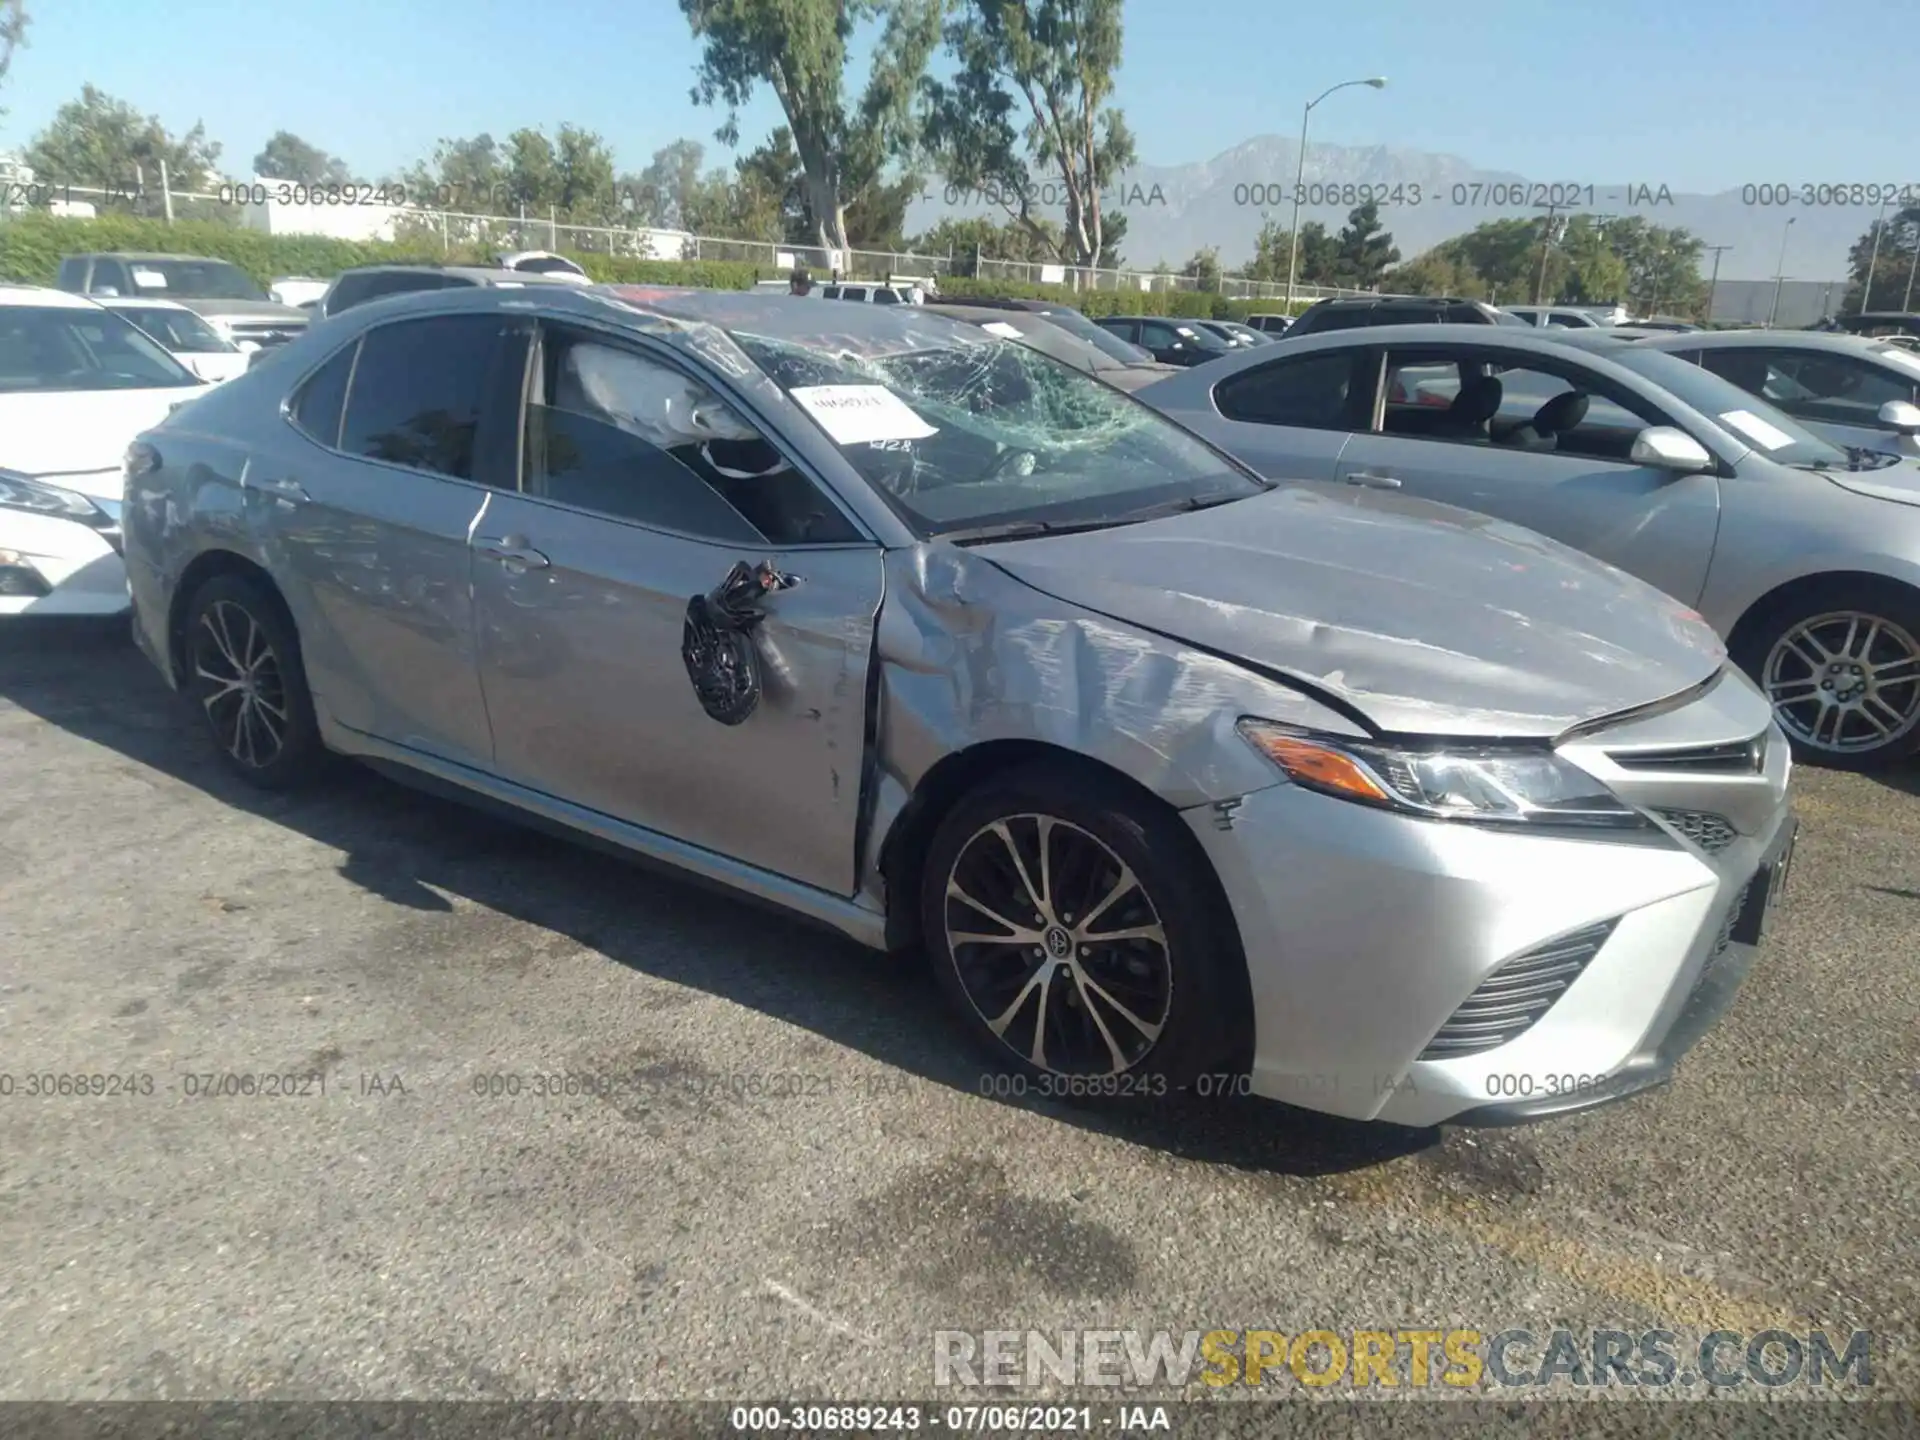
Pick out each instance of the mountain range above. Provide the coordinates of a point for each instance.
(1175, 210)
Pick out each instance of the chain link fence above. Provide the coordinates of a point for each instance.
(1086, 277)
(355, 213)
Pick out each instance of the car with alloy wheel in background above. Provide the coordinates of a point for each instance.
(185, 336)
(1040, 332)
(921, 635)
(1172, 339)
(1854, 391)
(1804, 556)
(219, 291)
(77, 384)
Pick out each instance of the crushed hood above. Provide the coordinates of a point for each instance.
(1423, 618)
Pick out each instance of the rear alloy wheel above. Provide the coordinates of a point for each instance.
(243, 667)
(1844, 680)
(1070, 928)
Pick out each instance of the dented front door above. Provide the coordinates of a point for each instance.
(582, 625)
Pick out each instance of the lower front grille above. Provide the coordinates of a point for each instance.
(1509, 1002)
(1712, 833)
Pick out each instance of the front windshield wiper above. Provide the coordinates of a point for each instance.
(1024, 529)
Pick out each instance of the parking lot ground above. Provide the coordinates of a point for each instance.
(696, 1228)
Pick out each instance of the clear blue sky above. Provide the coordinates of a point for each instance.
(1696, 94)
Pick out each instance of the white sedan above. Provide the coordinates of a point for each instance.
(188, 338)
(77, 384)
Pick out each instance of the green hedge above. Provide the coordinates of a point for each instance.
(31, 247)
(1192, 304)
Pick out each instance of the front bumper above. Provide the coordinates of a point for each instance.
(53, 566)
(1366, 931)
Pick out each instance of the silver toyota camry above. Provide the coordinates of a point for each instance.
(1183, 780)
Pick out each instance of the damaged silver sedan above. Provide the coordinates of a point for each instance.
(1184, 780)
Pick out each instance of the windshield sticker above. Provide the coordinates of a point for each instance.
(1768, 437)
(861, 414)
(1000, 327)
(149, 279)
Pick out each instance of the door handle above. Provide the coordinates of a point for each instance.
(514, 554)
(291, 491)
(1373, 482)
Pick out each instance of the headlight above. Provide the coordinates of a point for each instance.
(36, 497)
(1493, 784)
(20, 492)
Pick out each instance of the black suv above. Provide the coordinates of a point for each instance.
(373, 282)
(1354, 312)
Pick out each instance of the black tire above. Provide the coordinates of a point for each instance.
(1204, 1024)
(1829, 702)
(264, 730)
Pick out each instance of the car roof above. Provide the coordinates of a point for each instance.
(145, 255)
(1765, 339)
(15, 294)
(489, 274)
(681, 316)
(127, 302)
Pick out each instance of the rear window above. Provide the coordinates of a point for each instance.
(351, 290)
(1349, 319)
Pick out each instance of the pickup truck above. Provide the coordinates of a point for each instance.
(220, 292)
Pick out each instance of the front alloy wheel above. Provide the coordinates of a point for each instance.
(1845, 685)
(1081, 937)
(1058, 946)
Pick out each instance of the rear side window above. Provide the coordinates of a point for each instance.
(1309, 391)
(73, 274)
(316, 406)
(417, 392)
(1350, 319)
(359, 289)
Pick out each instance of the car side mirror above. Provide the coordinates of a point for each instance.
(1901, 415)
(112, 292)
(1666, 448)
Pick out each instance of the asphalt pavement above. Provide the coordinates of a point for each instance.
(330, 1158)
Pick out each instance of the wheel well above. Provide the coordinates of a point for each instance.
(1803, 590)
(202, 568)
(950, 781)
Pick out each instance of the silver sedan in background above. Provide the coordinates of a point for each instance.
(1805, 557)
(1853, 390)
(1184, 781)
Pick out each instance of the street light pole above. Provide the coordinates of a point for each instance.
(1713, 285)
(1780, 271)
(1546, 243)
(1378, 82)
(1912, 269)
(1866, 295)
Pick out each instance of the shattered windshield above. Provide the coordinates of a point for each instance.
(970, 435)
